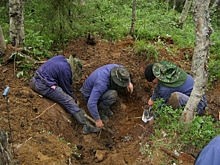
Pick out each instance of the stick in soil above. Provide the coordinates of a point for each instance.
(44, 111)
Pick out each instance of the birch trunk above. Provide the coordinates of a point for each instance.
(174, 4)
(133, 19)
(2, 42)
(81, 2)
(200, 56)
(16, 22)
(185, 12)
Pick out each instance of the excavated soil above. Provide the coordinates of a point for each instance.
(42, 132)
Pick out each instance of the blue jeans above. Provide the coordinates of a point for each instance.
(183, 99)
(57, 94)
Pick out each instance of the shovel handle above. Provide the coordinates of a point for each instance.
(5, 93)
(91, 119)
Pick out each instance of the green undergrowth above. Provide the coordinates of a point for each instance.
(50, 25)
(175, 135)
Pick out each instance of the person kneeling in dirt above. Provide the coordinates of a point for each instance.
(210, 153)
(173, 85)
(54, 80)
(100, 90)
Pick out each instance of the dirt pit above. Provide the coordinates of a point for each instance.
(42, 132)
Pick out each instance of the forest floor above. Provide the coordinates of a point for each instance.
(42, 132)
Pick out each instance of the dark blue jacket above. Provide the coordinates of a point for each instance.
(165, 92)
(210, 155)
(57, 71)
(95, 85)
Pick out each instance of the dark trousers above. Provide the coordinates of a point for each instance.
(58, 95)
(107, 99)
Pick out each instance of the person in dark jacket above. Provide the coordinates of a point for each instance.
(173, 85)
(100, 90)
(210, 154)
(54, 80)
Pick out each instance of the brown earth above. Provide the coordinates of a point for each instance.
(42, 132)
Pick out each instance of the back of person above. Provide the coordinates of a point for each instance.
(53, 71)
(100, 78)
(185, 88)
(210, 155)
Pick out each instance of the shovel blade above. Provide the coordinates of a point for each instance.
(146, 116)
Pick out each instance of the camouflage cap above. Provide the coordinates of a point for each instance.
(76, 67)
(169, 74)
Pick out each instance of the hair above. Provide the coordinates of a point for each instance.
(149, 73)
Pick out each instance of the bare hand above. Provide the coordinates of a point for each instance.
(150, 102)
(99, 123)
(130, 87)
(53, 87)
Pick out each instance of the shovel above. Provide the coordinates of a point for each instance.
(92, 120)
(146, 115)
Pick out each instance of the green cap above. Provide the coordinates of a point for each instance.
(169, 74)
(76, 67)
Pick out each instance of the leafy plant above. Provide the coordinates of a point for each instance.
(213, 69)
(75, 152)
(146, 50)
(198, 133)
(145, 149)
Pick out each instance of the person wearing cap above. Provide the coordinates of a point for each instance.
(100, 90)
(172, 84)
(210, 153)
(54, 80)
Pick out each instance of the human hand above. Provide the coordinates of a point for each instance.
(150, 102)
(99, 123)
(53, 87)
(130, 87)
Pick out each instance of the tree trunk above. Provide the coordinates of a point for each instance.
(81, 2)
(133, 19)
(5, 154)
(184, 13)
(200, 57)
(16, 22)
(174, 4)
(2, 42)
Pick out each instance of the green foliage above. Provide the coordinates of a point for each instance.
(198, 133)
(49, 24)
(147, 50)
(214, 49)
(213, 70)
(75, 152)
(145, 149)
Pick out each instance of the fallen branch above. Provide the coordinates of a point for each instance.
(44, 111)
(170, 153)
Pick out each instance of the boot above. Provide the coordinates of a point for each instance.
(102, 115)
(104, 112)
(87, 126)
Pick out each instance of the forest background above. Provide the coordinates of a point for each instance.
(53, 23)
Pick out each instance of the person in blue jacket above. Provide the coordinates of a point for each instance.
(100, 90)
(54, 80)
(210, 154)
(172, 84)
